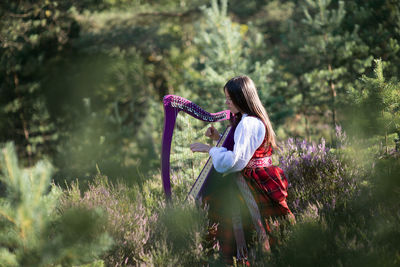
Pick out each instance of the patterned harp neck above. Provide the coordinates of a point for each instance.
(172, 105)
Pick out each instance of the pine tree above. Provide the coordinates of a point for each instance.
(31, 33)
(32, 231)
(329, 56)
(227, 49)
(379, 28)
(376, 106)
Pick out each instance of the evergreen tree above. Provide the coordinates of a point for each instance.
(227, 49)
(376, 106)
(329, 57)
(32, 232)
(379, 28)
(31, 33)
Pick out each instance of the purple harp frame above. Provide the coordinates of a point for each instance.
(172, 105)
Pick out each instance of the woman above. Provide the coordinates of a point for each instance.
(256, 197)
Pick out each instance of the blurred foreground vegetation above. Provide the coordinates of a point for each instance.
(81, 87)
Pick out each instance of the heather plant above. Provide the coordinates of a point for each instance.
(128, 221)
(148, 231)
(145, 229)
(179, 236)
(317, 173)
(362, 232)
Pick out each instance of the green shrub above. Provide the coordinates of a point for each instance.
(32, 231)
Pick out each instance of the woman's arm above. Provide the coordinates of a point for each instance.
(249, 135)
(200, 147)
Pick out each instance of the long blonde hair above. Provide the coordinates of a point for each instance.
(243, 92)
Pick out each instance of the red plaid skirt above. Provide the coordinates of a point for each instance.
(268, 186)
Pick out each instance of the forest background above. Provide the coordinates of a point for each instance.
(81, 119)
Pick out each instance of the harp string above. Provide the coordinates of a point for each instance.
(184, 163)
(172, 106)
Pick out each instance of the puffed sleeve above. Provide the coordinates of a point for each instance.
(249, 135)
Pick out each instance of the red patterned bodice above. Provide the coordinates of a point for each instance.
(261, 157)
(263, 150)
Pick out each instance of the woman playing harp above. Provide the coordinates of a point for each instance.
(251, 193)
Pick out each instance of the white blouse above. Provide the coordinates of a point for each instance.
(249, 135)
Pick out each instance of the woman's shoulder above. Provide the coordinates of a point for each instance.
(251, 121)
(251, 125)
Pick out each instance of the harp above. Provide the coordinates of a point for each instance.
(172, 106)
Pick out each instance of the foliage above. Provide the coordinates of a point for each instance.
(228, 49)
(344, 215)
(33, 232)
(31, 34)
(376, 105)
(100, 114)
(128, 222)
(123, 56)
(362, 232)
(144, 229)
(179, 236)
(181, 156)
(329, 55)
(382, 15)
(81, 84)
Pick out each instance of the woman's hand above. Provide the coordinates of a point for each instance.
(212, 133)
(199, 147)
